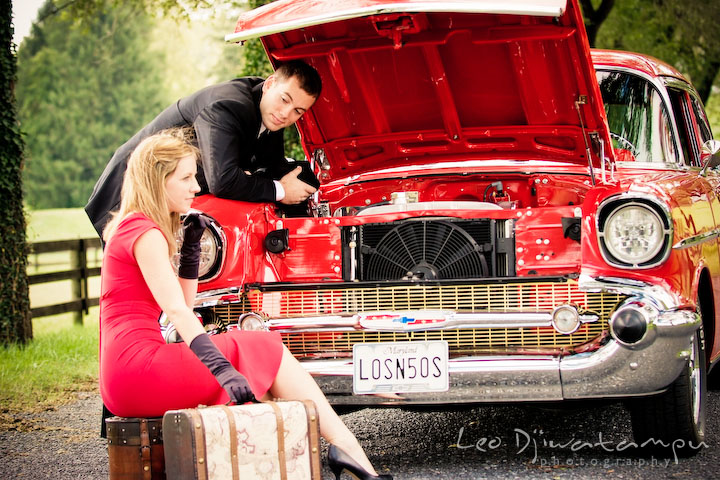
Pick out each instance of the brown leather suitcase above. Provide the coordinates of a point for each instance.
(269, 441)
(135, 448)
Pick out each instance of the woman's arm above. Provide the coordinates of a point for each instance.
(151, 254)
(189, 288)
(150, 251)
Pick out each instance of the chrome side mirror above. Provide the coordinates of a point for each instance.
(710, 155)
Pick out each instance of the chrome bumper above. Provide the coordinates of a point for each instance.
(614, 370)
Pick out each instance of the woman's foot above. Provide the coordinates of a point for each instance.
(338, 461)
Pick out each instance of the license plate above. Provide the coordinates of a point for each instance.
(397, 367)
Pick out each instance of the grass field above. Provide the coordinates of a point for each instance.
(58, 224)
(62, 357)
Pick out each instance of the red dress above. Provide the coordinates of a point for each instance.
(141, 375)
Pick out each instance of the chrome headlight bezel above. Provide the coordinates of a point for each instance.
(658, 214)
(212, 254)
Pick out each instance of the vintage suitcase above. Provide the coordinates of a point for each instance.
(268, 441)
(135, 448)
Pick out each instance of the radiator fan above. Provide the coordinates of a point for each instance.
(425, 250)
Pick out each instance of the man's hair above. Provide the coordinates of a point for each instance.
(307, 76)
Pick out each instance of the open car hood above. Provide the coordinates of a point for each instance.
(418, 82)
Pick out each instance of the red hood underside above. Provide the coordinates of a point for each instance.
(425, 81)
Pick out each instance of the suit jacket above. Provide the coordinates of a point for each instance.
(226, 118)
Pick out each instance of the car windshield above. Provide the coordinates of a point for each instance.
(638, 120)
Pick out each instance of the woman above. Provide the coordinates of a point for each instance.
(141, 375)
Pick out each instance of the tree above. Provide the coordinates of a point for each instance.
(84, 88)
(15, 322)
(97, 78)
(594, 17)
(683, 33)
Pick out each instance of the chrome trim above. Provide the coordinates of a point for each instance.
(626, 199)
(552, 8)
(210, 298)
(451, 320)
(696, 240)
(655, 294)
(221, 241)
(578, 320)
(650, 315)
(472, 379)
(670, 166)
(431, 205)
(660, 85)
(611, 371)
(218, 235)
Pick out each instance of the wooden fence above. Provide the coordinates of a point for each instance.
(79, 273)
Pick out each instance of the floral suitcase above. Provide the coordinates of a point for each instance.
(268, 441)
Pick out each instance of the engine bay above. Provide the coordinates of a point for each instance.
(459, 191)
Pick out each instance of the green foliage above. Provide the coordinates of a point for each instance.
(680, 32)
(198, 55)
(15, 324)
(256, 60)
(83, 89)
(595, 13)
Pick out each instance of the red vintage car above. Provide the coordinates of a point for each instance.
(504, 215)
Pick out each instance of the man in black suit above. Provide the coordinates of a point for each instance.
(239, 129)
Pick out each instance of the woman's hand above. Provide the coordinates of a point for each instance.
(195, 225)
(234, 383)
(238, 388)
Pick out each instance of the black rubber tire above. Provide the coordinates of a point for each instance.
(675, 419)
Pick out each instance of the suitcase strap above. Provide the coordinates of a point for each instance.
(233, 442)
(199, 441)
(281, 439)
(145, 450)
(314, 439)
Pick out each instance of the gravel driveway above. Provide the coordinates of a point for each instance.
(63, 443)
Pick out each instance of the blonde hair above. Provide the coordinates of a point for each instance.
(143, 189)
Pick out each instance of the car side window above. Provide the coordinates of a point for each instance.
(701, 119)
(680, 103)
(638, 118)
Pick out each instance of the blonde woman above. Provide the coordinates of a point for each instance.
(141, 375)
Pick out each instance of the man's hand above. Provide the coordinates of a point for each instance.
(296, 191)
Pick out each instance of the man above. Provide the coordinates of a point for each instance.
(239, 129)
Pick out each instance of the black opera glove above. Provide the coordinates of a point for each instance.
(234, 383)
(194, 226)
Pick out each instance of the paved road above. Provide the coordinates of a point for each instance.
(503, 442)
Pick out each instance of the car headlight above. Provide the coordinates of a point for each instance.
(634, 234)
(211, 251)
(208, 253)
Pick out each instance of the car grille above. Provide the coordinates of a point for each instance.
(421, 249)
(476, 297)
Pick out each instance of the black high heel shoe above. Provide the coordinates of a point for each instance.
(339, 461)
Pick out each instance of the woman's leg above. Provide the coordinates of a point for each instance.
(294, 383)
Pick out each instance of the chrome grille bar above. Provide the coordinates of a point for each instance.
(306, 308)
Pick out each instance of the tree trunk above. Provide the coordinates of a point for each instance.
(704, 87)
(15, 319)
(594, 17)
